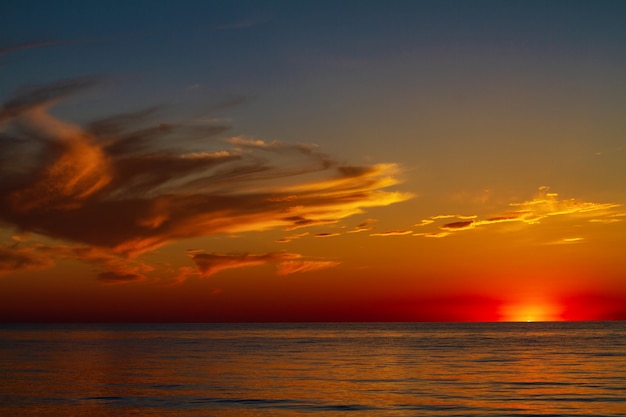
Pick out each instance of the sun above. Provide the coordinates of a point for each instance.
(531, 311)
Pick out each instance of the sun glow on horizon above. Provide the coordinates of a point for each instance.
(531, 311)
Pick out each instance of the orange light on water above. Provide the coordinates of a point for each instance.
(531, 311)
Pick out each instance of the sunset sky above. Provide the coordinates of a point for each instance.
(312, 161)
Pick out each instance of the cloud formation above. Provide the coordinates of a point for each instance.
(14, 258)
(363, 227)
(292, 267)
(546, 204)
(393, 233)
(287, 263)
(118, 185)
(25, 255)
(294, 236)
(327, 234)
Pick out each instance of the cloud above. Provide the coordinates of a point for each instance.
(543, 206)
(393, 233)
(328, 234)
(289, 238)
(452, 216)
(25, 255)
(424, 222)
(291, 267)
(112, 277)
(465, 224)
(435, 235)
(569, 240)
(209, 264)
(118, 184)
(14, 258)
(363, 227)
(611, 218)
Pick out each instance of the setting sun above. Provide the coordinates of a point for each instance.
(532, 311)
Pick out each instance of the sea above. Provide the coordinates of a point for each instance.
(325, 369)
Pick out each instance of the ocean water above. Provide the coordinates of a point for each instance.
(382, 369)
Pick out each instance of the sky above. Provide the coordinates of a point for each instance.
(205, 161)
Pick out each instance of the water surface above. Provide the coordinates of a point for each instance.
(382, 369)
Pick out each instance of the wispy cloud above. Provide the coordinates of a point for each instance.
(29, 45)
(363, 227)
(14, 258)
(112, 277)
(393, 233)
(286, 263)
(117, 185)
(295, 236)
(544, 205)
(211, 263)
(292, 267)
(26, 255)
(327, 234)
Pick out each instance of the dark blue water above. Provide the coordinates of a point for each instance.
(472, 369)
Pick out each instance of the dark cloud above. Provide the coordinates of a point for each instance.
(27, 98)
(326, 234)
(211, 263)
(112, 277)
(126, 184)
(504, 218)
(363, 227)
(458, 225)
(287, 263)
(14, 258)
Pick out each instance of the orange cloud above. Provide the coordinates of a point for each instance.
(289, 238)
(291, 267)
(117, 185)
(14, 258)
(115, 268)
(544, 205)
(393, 233)
(287, 263)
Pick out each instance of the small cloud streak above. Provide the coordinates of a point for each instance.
(434, 234)
(209, 264)
(326, 234)
(112, 277)
(613, 218)
(545, 205)
(292, 267)
(117, 186)
(393, 233)
(295, 236)
(364, 227)
(466, 224)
